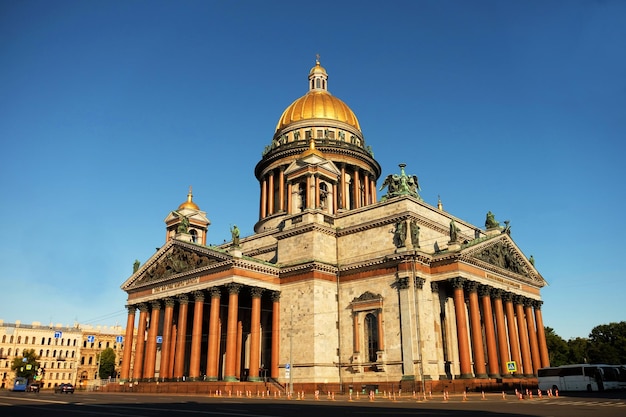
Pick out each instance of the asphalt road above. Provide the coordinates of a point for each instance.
(47, 404)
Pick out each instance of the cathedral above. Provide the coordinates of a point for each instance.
(336, 285)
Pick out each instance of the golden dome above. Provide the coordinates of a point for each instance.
(318, 104)
(189, 204)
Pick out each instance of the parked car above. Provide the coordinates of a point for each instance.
(64, 389)
(34, 387)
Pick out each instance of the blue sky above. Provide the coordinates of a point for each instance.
(109, 111)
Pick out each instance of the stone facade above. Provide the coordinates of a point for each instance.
(335, 286)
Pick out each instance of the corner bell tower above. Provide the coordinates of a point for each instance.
(187, 223)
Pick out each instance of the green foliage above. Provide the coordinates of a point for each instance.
(107, 364)
(27, 365)
(607, 344)
(557, 348)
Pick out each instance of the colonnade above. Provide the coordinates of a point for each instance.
(517, 334)
(354, 188)
(181, 332)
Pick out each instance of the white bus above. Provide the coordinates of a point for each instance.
(580, 377)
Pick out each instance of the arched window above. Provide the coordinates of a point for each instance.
(194, 235)
(90, 360)
(4, 338)
(11, 340)
(43, 340)
(302, 192)
(323, 196)
(40, 353)
(17, 352)
(26, 340)
(19, 340)
(371, 335)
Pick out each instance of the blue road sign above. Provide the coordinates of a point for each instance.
(58, 335)
(91, 338)
(287, 366)
(159, 339)
(119, 339)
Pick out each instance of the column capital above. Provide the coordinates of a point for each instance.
(434, 286)
(537, 304)
(256, 292)
(484, 290)
(496, 293)
(143, 307)
(183, 299)
(457, 282)
(234, 288)
(518, 299)
(507, 296)
(198, 296)
(215, 292)
(401, 283)
(155, 305)
(471, 286)
(419, 282)
(528, 302)
(169, 302)
(131, 308)
(275, 296)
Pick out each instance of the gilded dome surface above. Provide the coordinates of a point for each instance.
(318, 104)
(189, 204)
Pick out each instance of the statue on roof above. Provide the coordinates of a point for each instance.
(399, 234)
(490, 221)
(183, 226)
(403, 184)
(454, 231)
(234, 231)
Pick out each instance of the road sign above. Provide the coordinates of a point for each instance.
(91, 338)
(287, 370)
(287, 366)
(511, 366)
(58, 335)
(159, 339)
(119, 339)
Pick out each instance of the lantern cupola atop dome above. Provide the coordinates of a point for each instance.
(187, 222)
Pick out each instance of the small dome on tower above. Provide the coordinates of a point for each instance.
(189, 204)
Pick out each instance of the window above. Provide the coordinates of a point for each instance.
(26, 340)
(317, 83)
(371, 334)
(11, 340)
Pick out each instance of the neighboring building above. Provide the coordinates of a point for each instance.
(334, 286)
(57, 346)
(94, 340)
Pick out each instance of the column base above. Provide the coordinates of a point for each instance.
(211, 378)
(482, 376)
(255, 379)
(408, 378)
(231, 379)
(466, 376)
(495, 376)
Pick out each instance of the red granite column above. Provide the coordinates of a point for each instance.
(239, 350)
(270, 197)
(164, 368)
(310, 200)
(172, 359)
(151, 344)
(335, 198)
(461, 327)
(179, 361)
(532, 335)
(275, 334)
(503, 344)
(480, 370)
(356, 184)
(527, 365)
(343, 186)
(255, 334)
(289, 198)
(281, 189)
(196, 336)
(373, 188)
(366, 189)
(128, 342)
(141, 342)
(214, 328)
(513, 336)
(263, 210)
(317, 191)
(490, 331)
(231, 332)
(541, 336)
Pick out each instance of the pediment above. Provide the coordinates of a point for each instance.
(313, 161)
(501, 254)
(175, 258)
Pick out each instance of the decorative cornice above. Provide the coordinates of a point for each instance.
(306, 228)
(307, 267)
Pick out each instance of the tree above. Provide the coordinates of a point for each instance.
(107, 364)
(27, 365)
(607, 343)
(578, 350)
(557, 348)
